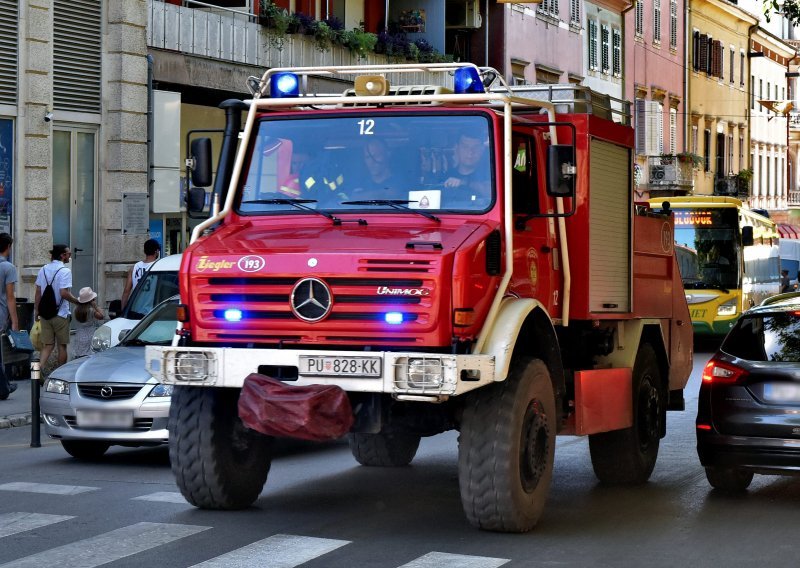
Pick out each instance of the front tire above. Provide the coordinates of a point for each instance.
(506, 450)
(384, 449)
(628, 456)
(85, 449)
(729, 479)
(218, 463)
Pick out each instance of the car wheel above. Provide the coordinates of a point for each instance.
(85, 449)
(218, 463)
(730, 479)
(384, 449)
(628, 456)
(506, 449)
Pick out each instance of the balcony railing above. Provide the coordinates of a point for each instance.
(793, 199)
(227, 34)
(670, 172)
(732, 186)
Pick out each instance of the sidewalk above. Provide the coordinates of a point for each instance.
(16, 409)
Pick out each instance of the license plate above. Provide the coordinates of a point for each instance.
(782, 392)
(323, 366)
(105, 419)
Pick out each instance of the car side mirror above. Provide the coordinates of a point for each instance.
(123, 334)
(747, 236)
(561, 170)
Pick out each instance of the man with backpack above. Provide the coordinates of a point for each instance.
(8, 304)
(51, 303)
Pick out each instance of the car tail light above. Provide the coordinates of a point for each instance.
(718, 372)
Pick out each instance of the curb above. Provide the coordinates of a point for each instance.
(15, 420)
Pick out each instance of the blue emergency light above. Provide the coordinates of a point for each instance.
(233, 314)
(283, 85)
(467, 80)
(393, 317)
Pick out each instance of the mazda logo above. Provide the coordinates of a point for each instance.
(106, 391)
(311, 299)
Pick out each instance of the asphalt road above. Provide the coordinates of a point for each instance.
(320, 509)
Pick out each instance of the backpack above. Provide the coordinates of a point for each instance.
(48, 307)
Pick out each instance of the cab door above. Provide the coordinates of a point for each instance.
(535, 256)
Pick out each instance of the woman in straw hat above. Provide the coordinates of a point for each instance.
(87, 315)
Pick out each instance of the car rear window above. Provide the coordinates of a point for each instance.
(765, 337)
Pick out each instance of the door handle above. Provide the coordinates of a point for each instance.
(77, 250)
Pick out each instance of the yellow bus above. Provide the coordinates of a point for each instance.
(728, 257)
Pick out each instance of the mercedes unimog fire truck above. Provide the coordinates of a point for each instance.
(466, 258)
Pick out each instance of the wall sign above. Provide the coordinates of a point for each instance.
(135, 214)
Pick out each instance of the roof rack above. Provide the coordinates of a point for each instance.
(575, 99)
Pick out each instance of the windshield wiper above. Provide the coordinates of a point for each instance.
(399, 204)
(297, 204)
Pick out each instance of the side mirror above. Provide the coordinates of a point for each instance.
(195, 199)
(561, 170)
(747, 236)
(201, 162)
(123, 334)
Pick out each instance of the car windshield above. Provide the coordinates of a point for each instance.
(432, 162)
(151, 290)
(768, 337)
(157, 328)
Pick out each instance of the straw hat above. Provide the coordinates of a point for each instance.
(86, 295)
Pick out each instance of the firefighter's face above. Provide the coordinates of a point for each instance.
(375, 157)
(469, 152)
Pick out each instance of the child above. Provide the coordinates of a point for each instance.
(86, 315)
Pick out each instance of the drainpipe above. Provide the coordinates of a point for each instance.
(687, 34)
(749, 84)
(150, 127)
(788, 114)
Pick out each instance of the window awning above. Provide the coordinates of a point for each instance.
(788, 231)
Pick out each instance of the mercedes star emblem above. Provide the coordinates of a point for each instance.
(311, 299)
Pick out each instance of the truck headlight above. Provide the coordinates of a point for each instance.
(101, 340)
(192, 366)
(421, 374)
(727, 309)
(56, 386)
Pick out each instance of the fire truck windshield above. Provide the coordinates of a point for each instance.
(431, 162)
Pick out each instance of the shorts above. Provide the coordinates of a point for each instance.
(55, 329)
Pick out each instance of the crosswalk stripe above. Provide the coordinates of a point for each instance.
(107, 547)
(48, 488)
(163, 497)
(444, 560)
(277, 551)
(13, 523)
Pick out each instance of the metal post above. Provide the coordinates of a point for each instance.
(35, 419)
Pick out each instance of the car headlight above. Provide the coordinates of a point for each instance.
(727, 309)
(424, 373)
(160, 391)
(56, 386)
(101, 340)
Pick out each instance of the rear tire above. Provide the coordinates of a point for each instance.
(729, 479)
(628, 456)
(218, 463)
(384, 449)
(506, 449)
(85, 449)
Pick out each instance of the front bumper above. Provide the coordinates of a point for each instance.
(446, 375)
(149, 420)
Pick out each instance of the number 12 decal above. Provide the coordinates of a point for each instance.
(365, 127)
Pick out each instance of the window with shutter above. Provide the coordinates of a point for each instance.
(575, 12)
(9, 26)
(673, 130)
(733, 58)
(639, 24)
(616, 60)
(673, 24)
(658, 123)
(656, 21)
(720, 60)
(741, 68)
(592, 44)
(640, 127)
(709, 55)
(606, 48)
(77, 44)
(702, 48)
(696, 51)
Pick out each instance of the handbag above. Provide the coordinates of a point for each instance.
(35, 335)
(20, 341)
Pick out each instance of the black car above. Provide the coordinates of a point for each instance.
(748, 411)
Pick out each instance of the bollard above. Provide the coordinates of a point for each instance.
(35, 414)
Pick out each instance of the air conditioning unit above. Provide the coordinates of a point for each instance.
(462, 14)
(664, 173)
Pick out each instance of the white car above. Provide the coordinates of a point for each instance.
(157, 285)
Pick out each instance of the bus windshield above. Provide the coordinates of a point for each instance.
(710, 258)
(369, 162)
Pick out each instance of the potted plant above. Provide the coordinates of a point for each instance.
(276, 20)
(690, 158)
(323, 36)
(743, 180)
(359, 42)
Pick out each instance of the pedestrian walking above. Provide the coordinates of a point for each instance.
(152, 250)
(51, 303)
(8, 305)
(87, 317)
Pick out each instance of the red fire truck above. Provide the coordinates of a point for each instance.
(466, 258)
